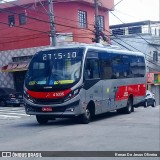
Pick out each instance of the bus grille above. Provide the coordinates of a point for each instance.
(55, 109)
(48, 101)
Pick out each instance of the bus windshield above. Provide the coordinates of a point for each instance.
(54, 68)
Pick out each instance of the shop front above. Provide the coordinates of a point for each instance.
(18, 70)
(153, 84)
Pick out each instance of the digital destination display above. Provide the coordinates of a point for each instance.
(59, 55)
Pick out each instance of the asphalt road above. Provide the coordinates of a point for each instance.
(138, 131)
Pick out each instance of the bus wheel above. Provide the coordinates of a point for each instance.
(119, 111)
(3, 103)
(129, 108)
(154, 104)
(145, 104)
(41, 119)
(86, 117)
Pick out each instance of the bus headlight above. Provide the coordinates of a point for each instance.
(28, 97)
(72, 94)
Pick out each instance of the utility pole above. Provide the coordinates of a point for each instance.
(52, 26)
(97, 36)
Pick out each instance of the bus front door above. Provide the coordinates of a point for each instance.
(93, 84)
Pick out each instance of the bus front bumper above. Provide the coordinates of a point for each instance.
(63, 111)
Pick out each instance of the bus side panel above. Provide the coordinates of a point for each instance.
(109, 95)
(117, 91)
(94, 93)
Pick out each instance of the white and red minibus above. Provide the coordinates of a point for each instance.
(82, 81)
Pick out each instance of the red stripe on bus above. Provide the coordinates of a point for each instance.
(49, 95)
(125, 91)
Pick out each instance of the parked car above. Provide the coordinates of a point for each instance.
(9, 96)
(148, 101)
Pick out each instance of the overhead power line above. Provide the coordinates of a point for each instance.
(46, 12)
(30, 29)
(67, 26)
(118, 3)
(131, 45)
(135, 33)
(45, 21)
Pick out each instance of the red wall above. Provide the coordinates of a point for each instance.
(16, 37)
(66, 19)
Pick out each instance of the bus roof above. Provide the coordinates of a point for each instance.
(96, 46)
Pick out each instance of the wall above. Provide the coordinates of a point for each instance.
(36, 33)
(109, 4)
(18, 37)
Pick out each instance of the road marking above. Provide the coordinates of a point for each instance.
(12, 113)
(11, 108)
(7, 116)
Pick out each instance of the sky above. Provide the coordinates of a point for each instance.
(135, 10)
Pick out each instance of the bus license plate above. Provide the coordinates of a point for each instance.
(47, 109)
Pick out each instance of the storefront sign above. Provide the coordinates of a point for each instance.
(150, 77)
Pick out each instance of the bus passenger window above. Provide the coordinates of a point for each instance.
(106, 69)
(92, 69)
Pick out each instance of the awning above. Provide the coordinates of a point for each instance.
(15, 67)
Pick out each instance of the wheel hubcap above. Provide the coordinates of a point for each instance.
(154, 104)
(130, 107)
(87, 113)
(146, 104)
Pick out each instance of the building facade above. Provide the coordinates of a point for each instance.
(25, 29)
(142, 36)
(26, 24)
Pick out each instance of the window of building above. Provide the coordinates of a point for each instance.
(134, 30)
(119, 31)
(11, 20)
(101, 22)
(155, 56)
(22, 18)
(145, 29)
(82, 15)
(156, 31)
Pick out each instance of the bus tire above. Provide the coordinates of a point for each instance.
(145, 104)
(3, 103)
(119, 111)
(86, 117)
(129, 108)
(41, 119)
(154, 104)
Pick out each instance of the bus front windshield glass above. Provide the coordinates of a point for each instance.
(54, 68)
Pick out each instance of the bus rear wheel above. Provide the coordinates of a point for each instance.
(41, 119)
(129, 108)
(154, 104)
(145, 104)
